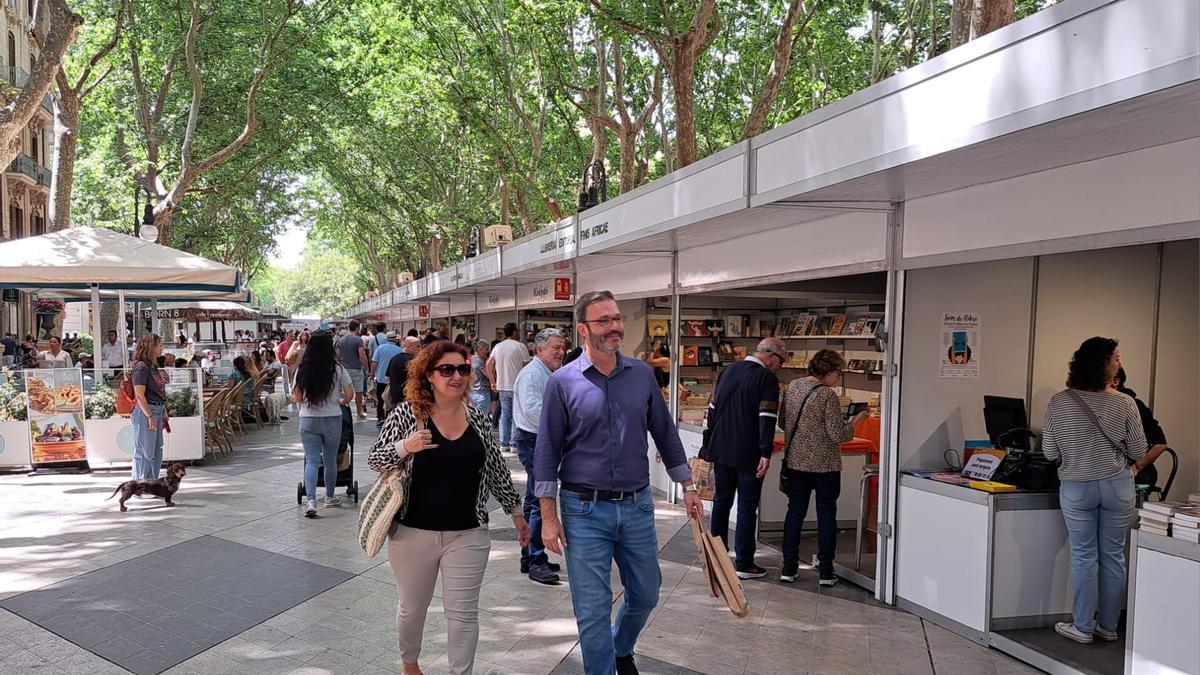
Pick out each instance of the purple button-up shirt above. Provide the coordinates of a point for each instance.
(593, 429)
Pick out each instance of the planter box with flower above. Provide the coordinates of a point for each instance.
(109, 437)
(186, 440)
(15, 446)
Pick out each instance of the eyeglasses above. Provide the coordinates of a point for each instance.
(447, 370)
(606, 321)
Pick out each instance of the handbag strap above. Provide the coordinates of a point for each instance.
(1087, 410)
(803, 403)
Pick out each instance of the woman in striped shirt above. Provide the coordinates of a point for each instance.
(1096, 433)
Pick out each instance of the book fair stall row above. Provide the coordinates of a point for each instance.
(956, 232)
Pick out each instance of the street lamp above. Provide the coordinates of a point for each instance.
(595, 186)
(148, 230)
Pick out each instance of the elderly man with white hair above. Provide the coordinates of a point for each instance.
(550, 346)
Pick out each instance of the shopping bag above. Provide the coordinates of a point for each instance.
(720, 569)
(704, 477)
(714, 588)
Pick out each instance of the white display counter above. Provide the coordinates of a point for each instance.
(977, 563)
(1164, 601)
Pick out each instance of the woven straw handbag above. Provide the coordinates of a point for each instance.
(382, 503)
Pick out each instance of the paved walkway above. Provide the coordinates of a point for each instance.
(235, 580)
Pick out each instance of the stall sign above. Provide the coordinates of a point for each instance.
(959, 353)
(983, 463)
(423, 311)
(174, 313)
(562, 288)
(55, 407)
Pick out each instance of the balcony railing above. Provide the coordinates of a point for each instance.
(44, 174)
(26, 165)
(18, 78)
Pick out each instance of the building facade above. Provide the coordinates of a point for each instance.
(25, 183)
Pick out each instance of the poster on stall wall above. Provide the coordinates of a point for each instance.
(959, 354)
(55, 408)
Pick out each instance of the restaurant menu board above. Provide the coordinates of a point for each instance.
(56, 415)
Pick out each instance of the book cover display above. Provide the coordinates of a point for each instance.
(658, 327)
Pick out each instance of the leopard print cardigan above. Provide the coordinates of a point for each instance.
(389, 453)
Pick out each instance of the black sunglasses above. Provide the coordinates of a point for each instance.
(446, 370)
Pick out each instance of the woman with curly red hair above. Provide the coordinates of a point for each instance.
(454, 465)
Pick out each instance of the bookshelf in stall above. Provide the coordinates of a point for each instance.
(535, 321)
(711, 340)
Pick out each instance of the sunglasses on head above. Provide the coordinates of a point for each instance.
(446, 370)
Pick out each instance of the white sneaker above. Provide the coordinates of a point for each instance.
(1068, 630)
(1105, 634)
(310, 509)
(331, 502)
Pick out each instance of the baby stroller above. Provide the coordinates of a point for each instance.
(345, 477)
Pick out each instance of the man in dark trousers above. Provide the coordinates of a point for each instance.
(741, 419)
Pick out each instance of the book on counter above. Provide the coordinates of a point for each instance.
(1194, 498)
(1190, 536)
(1165, 508)
(1187, 516)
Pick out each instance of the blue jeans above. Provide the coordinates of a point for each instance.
(481, 399)
(597, 533)
(506, 417)
(732, 479)
(1098, 514)
(801, 485)
(320, 437)
(147, 443)
(535, 552)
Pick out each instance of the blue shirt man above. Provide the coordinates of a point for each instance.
(549, 346)
(595, 415)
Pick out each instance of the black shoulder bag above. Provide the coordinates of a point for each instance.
(784, 471)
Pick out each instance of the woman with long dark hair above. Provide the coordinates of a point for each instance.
(454, 465)
(149, 413)
(1097, 434)
(322, 388)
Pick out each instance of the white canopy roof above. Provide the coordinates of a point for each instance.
(70, 261)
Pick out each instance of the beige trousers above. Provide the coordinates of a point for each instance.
(416, 557)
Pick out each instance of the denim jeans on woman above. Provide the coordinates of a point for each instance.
(1098, 514)
(147, 442)
(801, 485)
(320, 437)
(597, 533)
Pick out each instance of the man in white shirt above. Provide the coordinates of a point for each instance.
(112, 353)
(505, 363)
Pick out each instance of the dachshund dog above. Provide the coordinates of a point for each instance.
(164, 487)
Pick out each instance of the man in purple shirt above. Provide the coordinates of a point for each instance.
(591, 438)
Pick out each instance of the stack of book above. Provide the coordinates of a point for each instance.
(1155, 517)
(1185, 524)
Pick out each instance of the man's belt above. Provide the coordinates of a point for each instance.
(588, 494)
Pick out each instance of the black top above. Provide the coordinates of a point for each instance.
(1154, 436)
(661, 376)
(397, 373)
(145, 375)
(742, 415)
(445, 483)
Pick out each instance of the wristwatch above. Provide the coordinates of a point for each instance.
(690, 488)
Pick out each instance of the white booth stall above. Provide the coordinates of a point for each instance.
(1043, 203)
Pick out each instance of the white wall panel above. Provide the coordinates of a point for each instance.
(539, 295)
(1117, 41)
(1166, 615)
(642, 278)
(941, 555)
(483, 267)
(844, 239)
(491, 300)
(462, 305)
(1177, 375)
(1156, 186)
(551, 244)
(937, 414)
(1080, 295)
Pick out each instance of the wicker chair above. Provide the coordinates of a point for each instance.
(216, 434)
